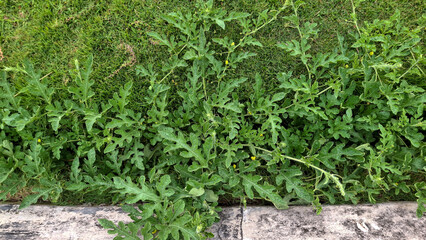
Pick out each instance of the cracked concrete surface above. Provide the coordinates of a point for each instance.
(56, 222)
(230, 225)
(344, 222)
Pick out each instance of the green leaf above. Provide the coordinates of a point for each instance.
(136, 154)
(179, 207)
(33, 161)
(77, 186)
(221, 23)
(122, 230)
(41, 192)
(8, 92)
(292, 182)
(251, 41)
(55, 113)
(185, 173)
(119, 102)
(236, 15)
(12, 184)
(180, 21)
(421, 198)
(133, 192)
(162, 185)
(21, 119)
(415, 137)
(75, 170)
(83, 92)
(292, 46)
(173, 63)
(278, 96)
(123, 120)
(231, 149)
(90, 162)
(196, 192)
(91, 117)
(265, 191)
(211, 196)
(162, 40)
(37, 85)
(110, 147)
(274, 122)
(179, 225)
(330, 157)
(324, 60)
(7, 169)
(190, 55)
(248, 183)
(241, 57)
(180, 142)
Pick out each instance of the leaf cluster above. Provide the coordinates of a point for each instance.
(349, 127)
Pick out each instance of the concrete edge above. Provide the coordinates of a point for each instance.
(396, 220)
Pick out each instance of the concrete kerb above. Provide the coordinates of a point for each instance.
(395, 220)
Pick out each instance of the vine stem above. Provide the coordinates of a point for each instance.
(414, 64)
(414, 57)
(204, 87)
(183, 47)
(301, 38)
(166, 76)
(354, 17)
(294, 159)
(251, 33)
(327, 174)
(323, 91)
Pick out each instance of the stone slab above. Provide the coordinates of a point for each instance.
(344, 222)
(56, 222)
(39, 222)
(230, 225)
(382, 221)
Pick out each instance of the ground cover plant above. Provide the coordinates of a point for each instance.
(343, 124)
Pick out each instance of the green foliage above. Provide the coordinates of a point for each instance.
(346, 126)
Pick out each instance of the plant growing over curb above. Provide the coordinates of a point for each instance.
(348, 126)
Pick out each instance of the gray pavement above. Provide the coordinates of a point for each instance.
(343, 222)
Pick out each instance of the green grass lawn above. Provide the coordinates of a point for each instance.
(52, 34)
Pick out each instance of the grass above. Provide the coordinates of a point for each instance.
(52, 34)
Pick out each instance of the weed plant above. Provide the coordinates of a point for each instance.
(345, 125)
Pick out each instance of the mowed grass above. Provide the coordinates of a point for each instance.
(53, 34)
